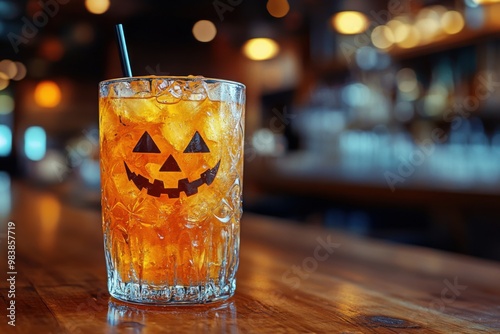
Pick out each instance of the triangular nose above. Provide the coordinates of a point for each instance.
(170, 165)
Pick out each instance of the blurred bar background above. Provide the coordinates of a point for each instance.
(381, 118)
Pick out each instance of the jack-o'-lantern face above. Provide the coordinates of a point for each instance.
(146, 145)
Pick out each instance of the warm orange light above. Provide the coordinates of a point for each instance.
(278, 8)
(204, 31)
(400, 30)
(49, 211)
(428, 23)
(21, 71)
(47, 94)
(485, 2)
(97, 6)
(350, 22)
(4, 81)
(260, 48)
(8, 67)
(452, 22)
(382, 37)
(412, 39)
(52, 49)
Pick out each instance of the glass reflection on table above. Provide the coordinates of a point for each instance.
(143, 319)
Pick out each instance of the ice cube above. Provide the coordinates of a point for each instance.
(142, 88)
(177, 89)
(136, 110)
(213, 90)
(166, 92)
(122, 89)
(175, 131)
(159, 86)
(104, 91)
(215, 123)
(195, 90)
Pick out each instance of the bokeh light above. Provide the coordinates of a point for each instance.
(47, 94)
(475, 17)
(452, 22)
(428, 23)
(428, 28)
(20, 71)
(6, 104)
(435, 100)
(204, 31)
(438, 9)
(97, 6)
(53, 167)
(35, 143)
(52, 49)
(350, 22)
(278, 8)
(382, 37)
(485, 2)
(399, 29)
(260, 48)
(367, 57)
(264, 141)
(4, 81)
(8, 67)
(356, 95)
(5, 140)
(412, 39)
(406, 80)
(5, 194)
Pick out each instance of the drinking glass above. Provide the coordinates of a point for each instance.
(171, 153)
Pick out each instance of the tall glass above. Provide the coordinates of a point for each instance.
(171, 151)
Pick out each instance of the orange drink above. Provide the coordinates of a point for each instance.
(171, 151)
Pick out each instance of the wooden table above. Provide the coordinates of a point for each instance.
(292, 279)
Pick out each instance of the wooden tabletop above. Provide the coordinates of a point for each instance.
(292, 279)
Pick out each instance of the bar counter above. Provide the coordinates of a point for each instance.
(291, 279)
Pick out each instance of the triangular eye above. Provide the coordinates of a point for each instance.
(197, 145)
(170, 165)
(146, 145)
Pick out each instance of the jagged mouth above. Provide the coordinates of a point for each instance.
(156, 188)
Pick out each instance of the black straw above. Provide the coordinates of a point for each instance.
(127, 72)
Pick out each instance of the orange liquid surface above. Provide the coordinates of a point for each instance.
(162, 240)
